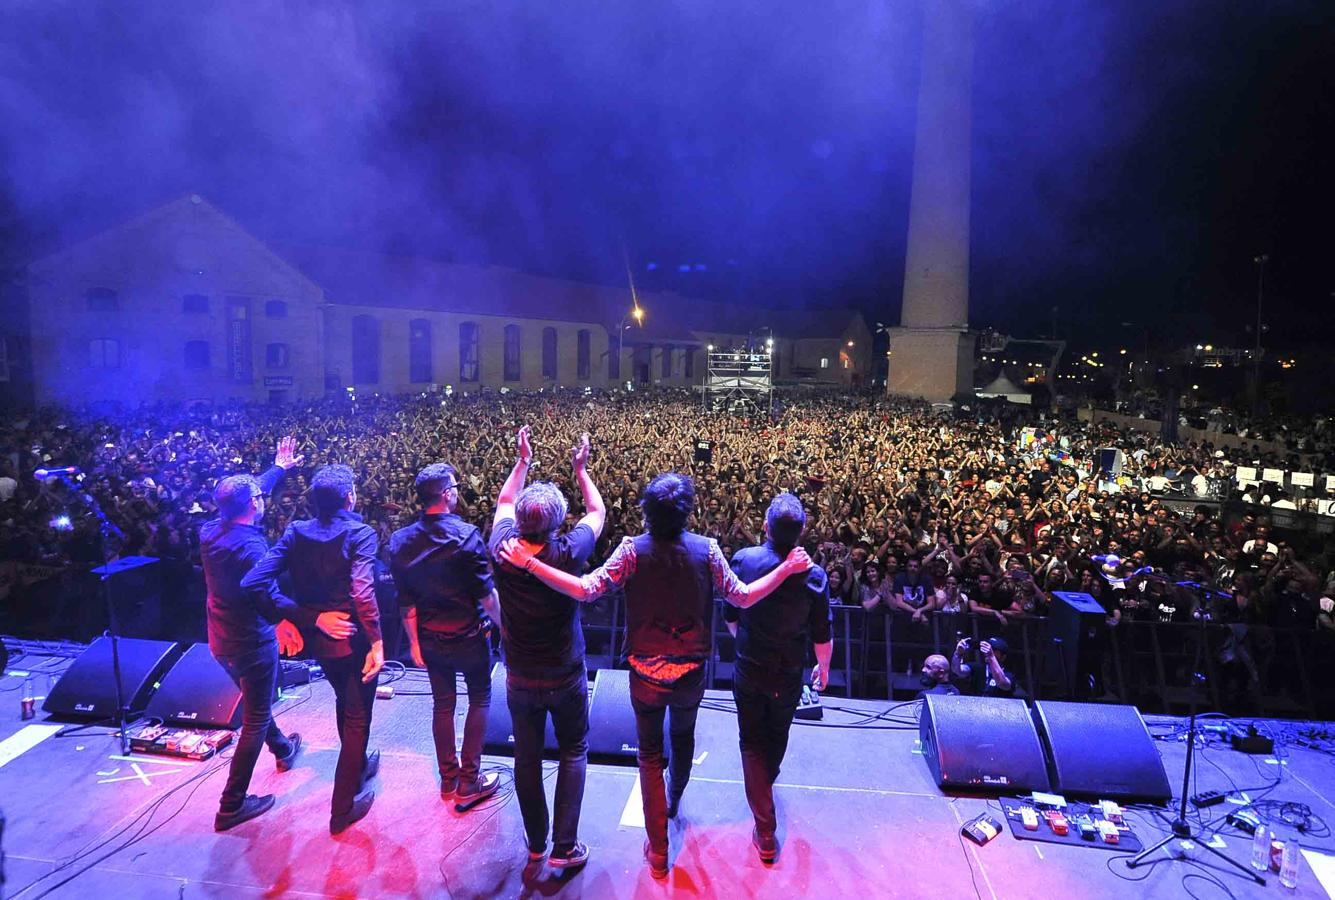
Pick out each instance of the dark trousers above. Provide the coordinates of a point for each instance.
(256, 675)
(766, 703)
(470, 656)
(568, 705)
(651, 703)
(353, 704)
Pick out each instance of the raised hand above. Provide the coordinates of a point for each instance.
(524, 446)
(579, 456)
(286, 455)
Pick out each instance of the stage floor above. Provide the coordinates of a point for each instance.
(859, 816)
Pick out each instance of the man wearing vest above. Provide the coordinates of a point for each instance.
(771, 654)
(544, 649)
(670, 577)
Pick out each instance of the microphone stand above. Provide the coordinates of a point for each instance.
(1181, 829)
(106, 529)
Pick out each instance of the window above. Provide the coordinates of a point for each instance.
(468, 339)
(195, 304)
(513, 365)
(104, 354)
(275, 309)
(102, 299)
(824, 362)
(690, 362)
(196, 354)
(277, 356)
(583, 352)
(549, 352)
(365, 350)
(419, 351)
(667, 362)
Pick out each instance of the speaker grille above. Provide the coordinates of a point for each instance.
(981, 743)
(1102, 751)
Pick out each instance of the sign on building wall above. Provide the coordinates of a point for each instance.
(238, 339)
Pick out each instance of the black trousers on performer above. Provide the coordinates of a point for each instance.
(766, 703)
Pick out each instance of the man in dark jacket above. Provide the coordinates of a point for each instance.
(772, 641)
(331, 561)
(544, 649)
(444, 581)
(671, 577)
(242, 634)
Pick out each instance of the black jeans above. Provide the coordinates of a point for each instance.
(353, 704)
(256, 674)
(651, 703)
(766, 703)
(568, 705)
(472, 657)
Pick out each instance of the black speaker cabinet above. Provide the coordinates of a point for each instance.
(87, 689)
(1102, 751)
(612, 735)
(982, 744)
(197, 691)
(134, 584)
(1078, 628)
(499, 737)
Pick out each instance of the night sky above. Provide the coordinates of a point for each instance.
(1130, 158)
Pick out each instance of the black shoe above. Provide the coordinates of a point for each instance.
(658, 862)
(471, 795)
(251, 807)
(285, 763)
(576, 856)
(371, 768)
(447, 787)
(361, 805)
(536, 855)
(767, 845)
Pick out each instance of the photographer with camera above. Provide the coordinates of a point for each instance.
(981, 672)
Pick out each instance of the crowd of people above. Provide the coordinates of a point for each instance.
(986, 509)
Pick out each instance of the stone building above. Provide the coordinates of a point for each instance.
(182, 303)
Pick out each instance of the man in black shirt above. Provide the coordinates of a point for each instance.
(444, 579)
(242, 634)
(544, 648)
(772, 642)
(331, 560)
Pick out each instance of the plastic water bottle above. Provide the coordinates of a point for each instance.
(1288, 865)
(1261, 848)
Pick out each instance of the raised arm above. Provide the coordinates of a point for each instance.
(505, 501)
(595, 511)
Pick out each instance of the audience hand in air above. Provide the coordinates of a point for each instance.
(336, 624)
(290, 641)
(516, 553)
(579, 456)
(524, 446)
(286, 456)
(797, 560)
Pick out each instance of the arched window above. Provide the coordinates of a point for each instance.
(468, 339)
(365, 350)
(549, 352)
(101, 299)
(583, 353)
(419, 351)
(513, 347)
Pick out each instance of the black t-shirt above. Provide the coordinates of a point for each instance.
(999, 599)
(543, 639)
(917, 593)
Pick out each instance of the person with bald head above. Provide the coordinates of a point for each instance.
(936, 677)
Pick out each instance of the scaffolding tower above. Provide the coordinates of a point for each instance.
(738, 381)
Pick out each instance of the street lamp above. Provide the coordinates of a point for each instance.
(638, 312)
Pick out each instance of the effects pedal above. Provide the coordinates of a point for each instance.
(809, 706)
(981, 829)
(1251, 741)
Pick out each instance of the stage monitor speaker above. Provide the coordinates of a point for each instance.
(499, 736)
(612, 734)
(197, 691)
(982, 743)
(87, 689)
(1077, 626)
(1102, 751)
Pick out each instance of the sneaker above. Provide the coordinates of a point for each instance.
(447, 787)
(361, 805)
(658, 862)
(767, 845)
(285, 763)
(535, 855)
(471, 795)
(576, 856)
(371, 768)
(251, 807)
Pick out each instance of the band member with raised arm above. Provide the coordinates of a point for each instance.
(772, 643)
(242, 633)
(670, 576)
(446, 594)
(330, 560)
(544, 648)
